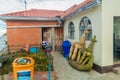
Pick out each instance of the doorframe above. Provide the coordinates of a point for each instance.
(114, 42)
(52, 36)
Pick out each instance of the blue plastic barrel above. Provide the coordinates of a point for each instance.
(66, 48)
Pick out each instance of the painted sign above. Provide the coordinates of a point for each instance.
(23, 75)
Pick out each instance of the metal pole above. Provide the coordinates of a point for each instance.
(50, 65)
(49, 69)
(25, 4)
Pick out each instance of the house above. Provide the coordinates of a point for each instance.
(103, 19)
(31, 27)
(101, 16)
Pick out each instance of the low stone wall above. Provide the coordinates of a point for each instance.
(37, 76)
(44, 76)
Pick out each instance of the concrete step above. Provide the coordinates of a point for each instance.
(116, 70)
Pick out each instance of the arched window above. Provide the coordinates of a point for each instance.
(71, 30)
(85, 22)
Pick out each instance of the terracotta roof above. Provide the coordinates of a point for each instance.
(68, 11)
(36, 13)
(48, 13)
(75, 7)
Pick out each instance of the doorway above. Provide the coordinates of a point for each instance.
(58, 38)
(116, 39)
(47, 35)
(54, 36)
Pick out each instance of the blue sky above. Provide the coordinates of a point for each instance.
(7, 6)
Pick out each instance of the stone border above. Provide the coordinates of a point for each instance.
(38, 75)
(105, 69)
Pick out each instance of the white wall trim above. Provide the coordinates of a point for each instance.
(10, 27)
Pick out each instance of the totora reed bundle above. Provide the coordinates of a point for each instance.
(79, 57)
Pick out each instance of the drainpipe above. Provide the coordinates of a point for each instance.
(59, 20)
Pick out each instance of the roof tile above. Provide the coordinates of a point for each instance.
(48, 13)
(36, 13)
(75, 7)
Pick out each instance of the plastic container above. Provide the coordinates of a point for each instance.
(34, 49)
(23, 72)
(66, 48)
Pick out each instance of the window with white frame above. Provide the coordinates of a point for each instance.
(85, 22)
(71, 30)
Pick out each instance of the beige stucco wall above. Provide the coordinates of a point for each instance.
(110, 8)
(94, 15)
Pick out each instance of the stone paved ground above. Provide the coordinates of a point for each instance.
(65, 72)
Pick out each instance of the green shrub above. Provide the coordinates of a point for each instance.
(41, 61)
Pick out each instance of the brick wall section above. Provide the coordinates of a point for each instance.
(22, 36)
(29, 23)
